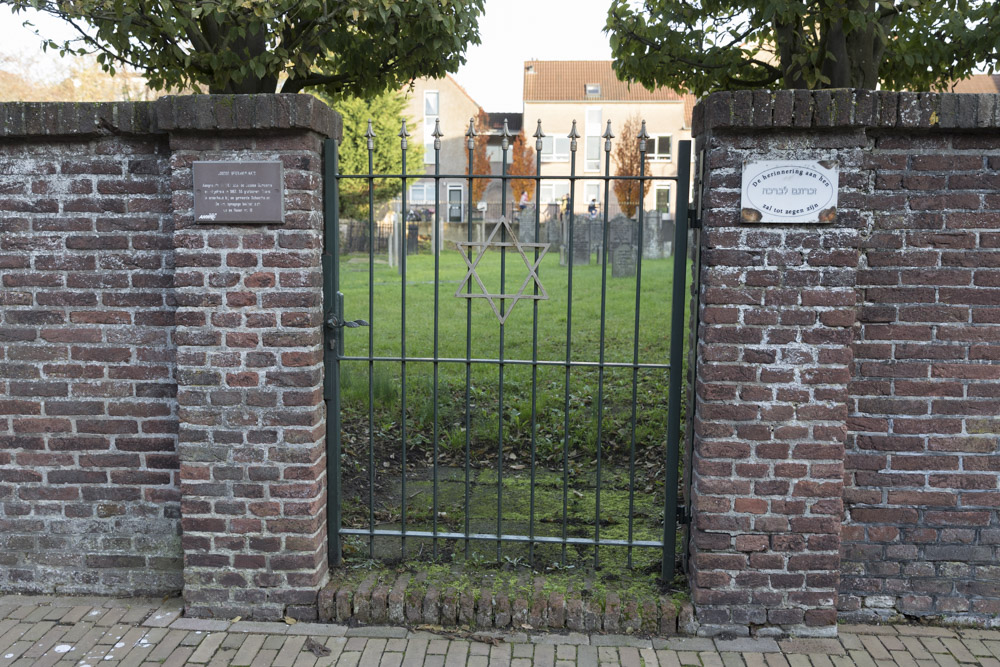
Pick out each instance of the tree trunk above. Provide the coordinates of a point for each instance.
(249, 47)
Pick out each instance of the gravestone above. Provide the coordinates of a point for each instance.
(580, 241)
(412, 240)
(623, 246)
(526, 224)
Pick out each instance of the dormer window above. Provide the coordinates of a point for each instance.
(592, 89)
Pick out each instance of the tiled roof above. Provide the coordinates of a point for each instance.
(980, 83)
(566, 80)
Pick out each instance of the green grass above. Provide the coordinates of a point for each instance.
(556, 404)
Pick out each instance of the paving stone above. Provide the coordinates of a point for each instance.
(810, 646)
(744, 644)
(317, 629)
(625, 640)
(572, 638)
(259, 627)
(922, 631)
(379, 631)
(203, 624)
(691, 644)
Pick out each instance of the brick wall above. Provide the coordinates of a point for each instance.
(845, 434)
(152, 368)
(89, 498)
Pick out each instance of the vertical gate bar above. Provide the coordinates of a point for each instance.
(331, 284)
(600, 371)
(437, 278)
(471, 134)
(573, 136)
(402, 341)
(534, 347)
(371, 342)
(676, 360)
(503, 283)
(635, 341)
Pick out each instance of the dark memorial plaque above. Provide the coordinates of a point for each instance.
(238, 192)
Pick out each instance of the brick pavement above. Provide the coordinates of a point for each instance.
(46, 631)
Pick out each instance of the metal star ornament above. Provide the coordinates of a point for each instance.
(483, 247)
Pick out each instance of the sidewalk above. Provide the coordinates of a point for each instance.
(42, 631)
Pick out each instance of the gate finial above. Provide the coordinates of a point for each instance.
(437, 134)
(573, 136)
(505, 142)
(403, 134)
(471, 134)
(643, 136)
(608, 136)
(538, 136)
(370, 133)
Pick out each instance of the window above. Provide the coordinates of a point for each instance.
(592, 191)
(663, 198)
(555, 149)
(593, 147)
(554, 191)
(592, 89)
(431, 102)
(493, 154)
(660, 146)
(422, 193)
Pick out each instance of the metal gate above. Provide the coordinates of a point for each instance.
(574, 416)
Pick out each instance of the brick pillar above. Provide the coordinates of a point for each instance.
(773, 366)
(249, 362)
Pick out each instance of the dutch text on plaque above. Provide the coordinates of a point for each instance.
(789, 191)
(238, 192)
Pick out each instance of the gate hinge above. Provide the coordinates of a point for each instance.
(683, 518)
(694, 222)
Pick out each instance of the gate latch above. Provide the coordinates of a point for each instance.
(335, 322)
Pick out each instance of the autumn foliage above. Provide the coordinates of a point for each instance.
(522, 164)
(627, 163)
(480, 160)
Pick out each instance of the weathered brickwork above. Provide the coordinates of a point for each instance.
(89, 498)
(160, 378)
(250, 378)
(877, 333)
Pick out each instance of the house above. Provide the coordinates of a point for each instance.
(979, 83)
(557, 92)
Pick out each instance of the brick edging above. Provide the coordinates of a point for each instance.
(845, 107)
(407, 602)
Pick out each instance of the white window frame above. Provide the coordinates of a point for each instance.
(592, 191)
(659, 187)
(592, 137)
(426, 196)
(553, 154)
(592, 89)
(494, 153)
(429, 122)
(553, 191)
(655, 156)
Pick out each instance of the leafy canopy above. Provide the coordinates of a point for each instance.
(708, 45)
(357, 47)
(386, 112)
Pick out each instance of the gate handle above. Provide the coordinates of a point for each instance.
(335, 323)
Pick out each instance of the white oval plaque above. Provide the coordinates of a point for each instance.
(789, 191)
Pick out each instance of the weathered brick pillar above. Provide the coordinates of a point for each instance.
(249, 362)
(773, 366)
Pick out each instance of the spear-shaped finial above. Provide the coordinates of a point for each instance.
(403, 134)
(573, 136)
(437, 134)
(538, 136)
(608, 136)
(643, 136)
(370, 133)
(471, 134)
(506, 136)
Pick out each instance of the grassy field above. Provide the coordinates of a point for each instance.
(557, 405)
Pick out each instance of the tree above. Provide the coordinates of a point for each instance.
(386, 113)
(628, 161)
(735, 44)
(358, 47)
(522, 164)
(480, 160)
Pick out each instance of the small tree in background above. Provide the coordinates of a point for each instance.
(480, 161)
(386, 114)
(522, 164)
(627, 163)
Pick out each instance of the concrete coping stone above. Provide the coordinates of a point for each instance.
(845, 108)
(171, 113)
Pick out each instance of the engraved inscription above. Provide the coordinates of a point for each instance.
(242, 192)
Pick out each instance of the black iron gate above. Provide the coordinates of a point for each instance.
(422, 429)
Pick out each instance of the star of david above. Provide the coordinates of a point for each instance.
(465, 246)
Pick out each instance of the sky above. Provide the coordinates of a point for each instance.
(512, 31)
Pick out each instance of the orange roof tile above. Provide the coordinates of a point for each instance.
(565, 80)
